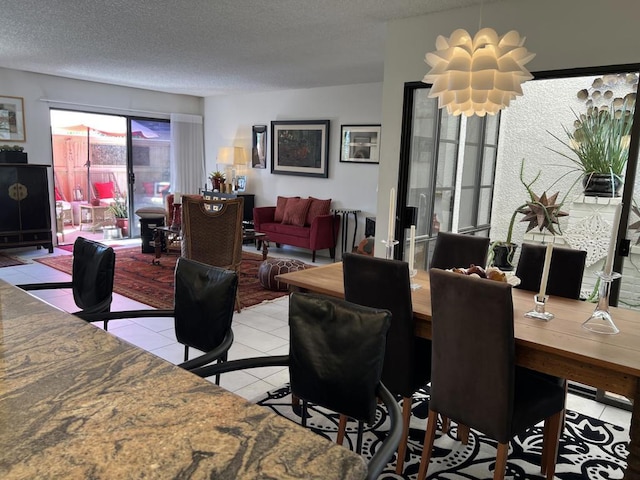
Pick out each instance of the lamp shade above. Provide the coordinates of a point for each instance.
(232, 156)
(479, 75)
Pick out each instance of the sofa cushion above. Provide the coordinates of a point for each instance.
(281, 204)
(104, 190)
(284, 229)
(295, 211)
(317, 207)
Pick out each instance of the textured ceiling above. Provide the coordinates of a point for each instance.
(205, 47)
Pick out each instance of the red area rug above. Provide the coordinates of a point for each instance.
(138, 279)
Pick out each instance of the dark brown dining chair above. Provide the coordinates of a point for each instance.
(92, 276)
(336, 352)
(212, 232)
(565, 278)
(474, 379)
(380, 283)
(565, 272)
(459, 250)
(203, 310)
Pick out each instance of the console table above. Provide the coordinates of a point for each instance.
(346, 212)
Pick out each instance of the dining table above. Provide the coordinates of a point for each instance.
(560, 347)
(77, 402)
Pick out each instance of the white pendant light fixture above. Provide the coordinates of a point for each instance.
(479, 75)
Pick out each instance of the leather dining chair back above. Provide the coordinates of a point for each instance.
(93, 270)
(474, 380)
(459, 250)
(381, 283)
(565, 272)
(203, 311)
(336, 352)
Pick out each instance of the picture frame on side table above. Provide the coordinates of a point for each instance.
(360, 144)
(300, 147)
(259, 148)
(12, 119)
(242, 182)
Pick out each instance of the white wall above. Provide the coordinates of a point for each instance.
(563, 34)
(228, 122)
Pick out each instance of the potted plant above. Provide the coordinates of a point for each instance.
(600, 143)
(541, 212)
(217, 180)
(12, 154)
(120, 211)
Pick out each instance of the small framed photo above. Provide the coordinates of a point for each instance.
(360, 144)
(242, 183)
(300, 148)
(12, 119)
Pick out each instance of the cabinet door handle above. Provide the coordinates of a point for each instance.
(18, 192)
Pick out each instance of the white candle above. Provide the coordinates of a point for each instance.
(608, 264)
(412, 247)
(392, 215)
(545, 271)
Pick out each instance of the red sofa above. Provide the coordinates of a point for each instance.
(305, 223)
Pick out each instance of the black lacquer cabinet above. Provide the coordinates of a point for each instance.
(25, 217)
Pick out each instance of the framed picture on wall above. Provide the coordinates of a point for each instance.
(12, 119)
(300, 147)
(259, 149)
(360, 144)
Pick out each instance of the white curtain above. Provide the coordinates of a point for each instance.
(187, 153)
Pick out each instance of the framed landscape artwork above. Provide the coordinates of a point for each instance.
(360, 144)
(12, 119)
(259, 149)
(300, 147)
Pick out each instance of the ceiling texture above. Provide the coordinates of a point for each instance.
(206, 47)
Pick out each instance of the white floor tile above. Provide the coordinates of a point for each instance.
(257, 339)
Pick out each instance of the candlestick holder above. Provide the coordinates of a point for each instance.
(412, 274)
(390, 247)
(600, 321)
(538, 309)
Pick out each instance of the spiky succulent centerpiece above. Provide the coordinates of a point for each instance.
(543, 212)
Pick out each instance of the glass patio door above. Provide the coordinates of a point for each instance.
(150, 179)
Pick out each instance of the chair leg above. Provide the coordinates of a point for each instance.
(446, 423)
(342, 427)
(550, 442)
(360, 433)
(313, 256)
(402, 447)
(501, 461)
(238, 303)
(304, 413)
(429, 437)
(186, 353)
(463, 433)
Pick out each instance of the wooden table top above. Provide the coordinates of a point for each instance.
(77, 402)
(560, 346)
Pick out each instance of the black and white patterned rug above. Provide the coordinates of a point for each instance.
(589, 448)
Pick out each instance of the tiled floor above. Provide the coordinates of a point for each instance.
(259, 330)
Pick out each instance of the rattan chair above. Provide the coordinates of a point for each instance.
(212, 232)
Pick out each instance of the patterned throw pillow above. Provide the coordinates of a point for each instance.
(317, 207)
(104, 190)
(295, 212)
(280, 206)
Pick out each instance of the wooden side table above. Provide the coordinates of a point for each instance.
(100, 216)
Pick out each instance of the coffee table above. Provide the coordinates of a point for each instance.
(260, 238)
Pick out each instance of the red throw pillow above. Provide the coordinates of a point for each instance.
(318, 207)
(148, 188)
(280, 207)
(295, 212)
(58, 196)
(104, 190)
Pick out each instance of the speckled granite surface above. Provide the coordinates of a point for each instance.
(76, 402)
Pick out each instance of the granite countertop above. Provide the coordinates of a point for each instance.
(77, 402)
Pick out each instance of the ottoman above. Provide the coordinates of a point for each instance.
(277, 266)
